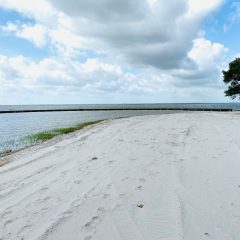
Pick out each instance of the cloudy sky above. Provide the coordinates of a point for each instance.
(111, 51)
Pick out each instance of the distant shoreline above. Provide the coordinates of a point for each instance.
(119, 109)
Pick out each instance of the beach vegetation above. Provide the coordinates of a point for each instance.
(46, 135)
(232, 78)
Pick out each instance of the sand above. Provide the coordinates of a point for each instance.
(166, 177)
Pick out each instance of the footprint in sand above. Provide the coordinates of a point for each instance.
(63, 174)
(118, 206)
(44, 189)
(24, 228)
(133, 159)
(91, 224)
(95, 220)
(78, 182)
(88, 238)
(8, 222)
(105, 196)
(6, 213)
(142, 180)
(125, 179)
(122, 195)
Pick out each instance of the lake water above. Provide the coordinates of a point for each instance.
(15, 126)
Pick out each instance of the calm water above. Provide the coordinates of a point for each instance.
(121, 106)
(15, 126)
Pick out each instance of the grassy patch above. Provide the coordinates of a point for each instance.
(46, 135)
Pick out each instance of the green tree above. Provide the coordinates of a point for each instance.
(232, 77)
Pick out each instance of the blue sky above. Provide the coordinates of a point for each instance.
(116, 52)
(220, 27)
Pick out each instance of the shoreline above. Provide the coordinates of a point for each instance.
(171, 176)
(120, 109)
(40, 137)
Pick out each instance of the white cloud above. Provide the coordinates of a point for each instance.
(35, 33)
(24, 72)
(202, 7)
(205, 53)
(158, 40)
(40, 10)
(55, 76)
(52, 27)
(147, 33)
(204, 69)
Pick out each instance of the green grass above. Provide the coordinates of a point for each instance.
(46, 135)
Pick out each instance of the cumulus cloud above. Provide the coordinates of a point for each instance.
(35, 33)
(40, 10)
(58, 76)
(156, 39)
(203, 7)
(145, 33)
(51, 71)
(205, 53)
(207, 60)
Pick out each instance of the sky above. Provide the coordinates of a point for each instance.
(111, 51)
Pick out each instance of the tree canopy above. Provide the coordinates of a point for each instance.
(232, 77)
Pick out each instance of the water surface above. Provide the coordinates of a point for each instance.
(15, 126)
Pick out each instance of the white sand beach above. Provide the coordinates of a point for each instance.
(165, 177)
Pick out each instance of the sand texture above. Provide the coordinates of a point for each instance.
(166, 177)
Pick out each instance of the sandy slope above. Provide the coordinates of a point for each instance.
(167, 177)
